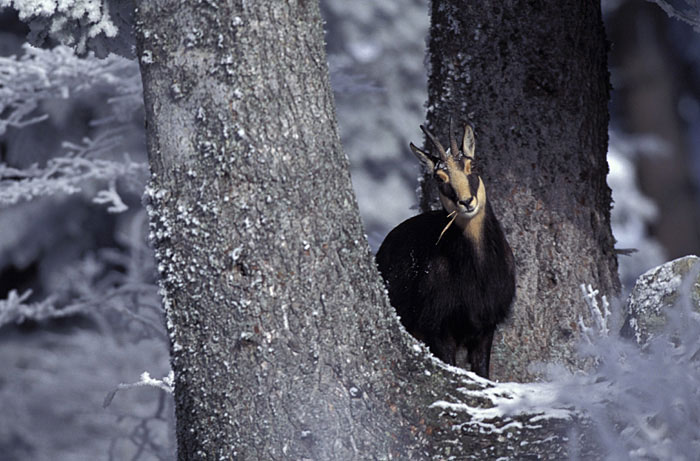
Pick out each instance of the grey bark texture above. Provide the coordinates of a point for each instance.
(283, 342)
(532, 79)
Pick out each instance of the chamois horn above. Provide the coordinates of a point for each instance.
(436, 143)
(454, 150)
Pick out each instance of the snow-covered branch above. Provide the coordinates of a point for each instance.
(165, 384)
(61, 175)
(44, 75)
(111, 197)
(86, 25)
(15, 309)
(128, 300)
(40, 74)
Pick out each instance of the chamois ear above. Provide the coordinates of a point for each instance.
(428, 160)
(468, 142)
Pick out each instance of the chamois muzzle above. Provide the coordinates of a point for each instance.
(468, 204)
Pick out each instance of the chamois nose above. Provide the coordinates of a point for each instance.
(467, 203)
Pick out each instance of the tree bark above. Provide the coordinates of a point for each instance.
(283, 343)
(532, 79)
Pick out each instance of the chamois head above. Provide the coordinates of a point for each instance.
(462, 192)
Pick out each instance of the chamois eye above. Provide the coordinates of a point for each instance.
(447, 191)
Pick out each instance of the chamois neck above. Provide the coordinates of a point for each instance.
(473, 228)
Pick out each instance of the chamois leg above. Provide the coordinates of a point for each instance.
(443, 347)
(479, 350)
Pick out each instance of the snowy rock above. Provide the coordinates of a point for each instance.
(658, 290)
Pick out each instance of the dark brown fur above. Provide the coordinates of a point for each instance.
(449, 295)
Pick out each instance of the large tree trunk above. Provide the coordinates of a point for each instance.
(284, 345)
(532, 78)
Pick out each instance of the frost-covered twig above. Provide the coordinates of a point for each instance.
(127, 300)
(61, 175)
(601, 316)
(92, 24)
(14, 309)
(114, 299)
(121, 299)
(643, 402)
(165, 384)
(104, 143)
(48, 74)
(111, 197)
(689, 14)
(58, 73)
(142, 435)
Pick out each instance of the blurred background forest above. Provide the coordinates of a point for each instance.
(81, 312)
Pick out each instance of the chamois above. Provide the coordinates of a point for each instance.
(451, 285)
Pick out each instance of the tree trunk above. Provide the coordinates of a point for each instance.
(650, 90)
(283, 342)
(532, 79)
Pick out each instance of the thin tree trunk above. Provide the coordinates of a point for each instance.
(284, 345)
(532, 78)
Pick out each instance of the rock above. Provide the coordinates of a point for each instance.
(656, 291)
